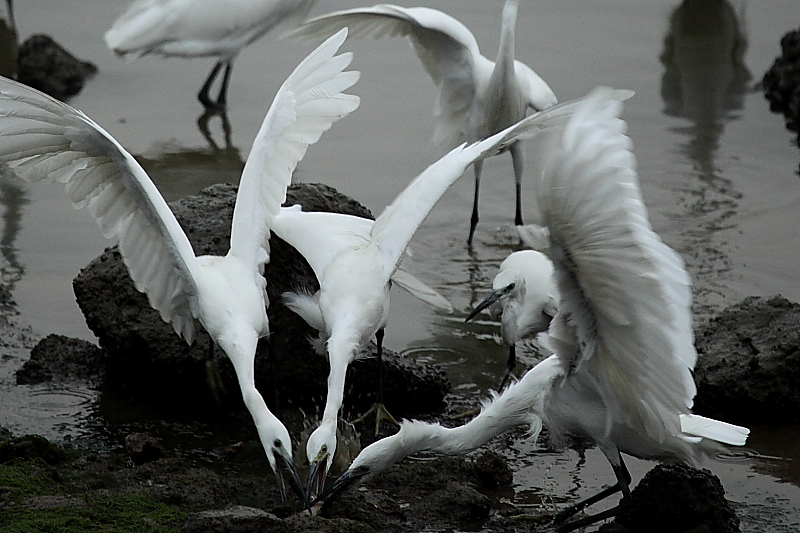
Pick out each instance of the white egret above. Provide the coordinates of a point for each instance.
(525, 291)
(356, 260)
(200, 28)
(476, 97)
(42, 138)
(622, 339)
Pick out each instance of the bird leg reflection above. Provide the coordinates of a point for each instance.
(378, 408)
(622, 485)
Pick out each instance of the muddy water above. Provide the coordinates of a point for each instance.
(719, 174)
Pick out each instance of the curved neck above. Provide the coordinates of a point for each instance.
(341, 351)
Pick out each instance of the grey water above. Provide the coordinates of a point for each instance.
(718, 170)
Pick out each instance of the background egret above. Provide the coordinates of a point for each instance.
(42, 138)
(525, 292)
(622, 338)
(476, 97)
(199, 28)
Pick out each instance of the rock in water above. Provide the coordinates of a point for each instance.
(147, 359)
(748, 367)
(676, 499)
(44, 65)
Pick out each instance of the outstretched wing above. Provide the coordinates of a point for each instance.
(307, 104)
(446, 48)
(42, 138)
(395, 227)
(625, 294)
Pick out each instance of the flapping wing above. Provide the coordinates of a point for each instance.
(625, 293)
(319, 237)
(307, 104)
(420, 290)
(397, 224)
(42, 138)
(446, 48)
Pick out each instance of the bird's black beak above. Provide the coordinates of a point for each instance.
(346, 480)
(284, 461)
(317, 471)
(492, 298)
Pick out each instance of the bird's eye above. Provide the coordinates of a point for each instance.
(324, 448)
(510, 287)
(277, 443)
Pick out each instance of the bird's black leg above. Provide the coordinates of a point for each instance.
(622, 485)
(518, 160)
(510, 365)
(222, 98)
(203, 96)
(379, 408)
(477, 167)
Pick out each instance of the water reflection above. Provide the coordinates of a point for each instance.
(13, 198)
(705, 81)
(8, 42)
(203, 125)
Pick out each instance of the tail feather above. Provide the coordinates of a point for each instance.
(708, 428)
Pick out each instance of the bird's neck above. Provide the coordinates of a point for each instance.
(342, 349)
(505, 52)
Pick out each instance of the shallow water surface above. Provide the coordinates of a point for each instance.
(718, 171)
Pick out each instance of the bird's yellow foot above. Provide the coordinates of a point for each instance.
(380, 414)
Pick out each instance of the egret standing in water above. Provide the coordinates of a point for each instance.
(42, 138)
(622, 339)
(476, 97)
(525, 291)
(200, 28)
(356, 260)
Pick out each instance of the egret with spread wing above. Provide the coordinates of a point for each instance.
(476, 97)
(200, 28)
(525, 292)
(42, 138)
(622, 339)
(356, 261)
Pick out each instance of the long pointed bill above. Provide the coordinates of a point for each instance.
(346, 480)
(317, 471)
(294, 479)
(492, 298)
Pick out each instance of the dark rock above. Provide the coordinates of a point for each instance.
(749, 363)
(63, 359)
(143, 448)
(31, 447)
(149, 360)
(493, 470)
(781, 83)
(44, 65)
(676, 499)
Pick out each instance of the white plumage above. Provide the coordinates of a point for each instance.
(525, 296)
(43, 139)
(199, 28)
(355, 260)
(622, 338)
(475, 97)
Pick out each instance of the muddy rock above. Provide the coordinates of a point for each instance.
(748, 368)
(781, 83)
(44, 65)
(143, 448)
(147, 359)
(676, 499)
(62, 359)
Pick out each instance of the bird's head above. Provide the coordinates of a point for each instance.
(506, 284)
(278, 446)
(320, 449)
